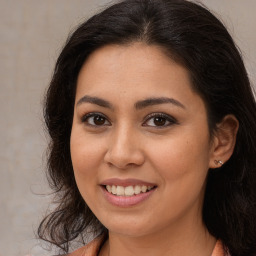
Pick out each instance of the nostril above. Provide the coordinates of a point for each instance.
(122, 152)
(124, 161)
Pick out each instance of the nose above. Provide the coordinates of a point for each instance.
(124, 149)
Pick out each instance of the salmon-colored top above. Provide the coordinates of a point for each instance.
(92, 249)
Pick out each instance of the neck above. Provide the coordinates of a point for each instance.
(191, 240)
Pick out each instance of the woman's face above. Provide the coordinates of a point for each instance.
(140, 143)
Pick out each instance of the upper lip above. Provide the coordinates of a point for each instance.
(126, 182)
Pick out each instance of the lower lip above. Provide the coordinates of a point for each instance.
(126, 201)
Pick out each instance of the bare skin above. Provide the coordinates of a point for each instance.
(137, 121)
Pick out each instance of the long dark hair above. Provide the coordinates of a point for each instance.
(190, 35)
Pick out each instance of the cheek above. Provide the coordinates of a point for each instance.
(184, 159)
(85, 152)
(86, 157)
(183, 168)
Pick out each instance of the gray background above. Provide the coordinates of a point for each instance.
(32, 34)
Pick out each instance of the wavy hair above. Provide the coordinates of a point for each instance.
(193, 37)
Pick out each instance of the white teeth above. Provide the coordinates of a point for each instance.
(144, 189)
(120, 191)
(137, 189)
(127, 191)
(113, 190)
(109, 188)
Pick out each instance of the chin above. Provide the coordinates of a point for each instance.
(129, 228)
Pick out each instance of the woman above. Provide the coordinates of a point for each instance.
(152, 123)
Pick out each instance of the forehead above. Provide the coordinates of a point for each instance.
(134, 71)
(129, 62)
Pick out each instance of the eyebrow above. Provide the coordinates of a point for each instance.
(156, 101)
(95, 100)
(138, 105)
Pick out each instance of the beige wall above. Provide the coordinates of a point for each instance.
(240, 17)
(32, 33)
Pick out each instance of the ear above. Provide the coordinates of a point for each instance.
(224, 141)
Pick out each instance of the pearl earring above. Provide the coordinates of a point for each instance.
(218, 162)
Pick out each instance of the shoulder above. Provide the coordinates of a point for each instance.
(91, 249)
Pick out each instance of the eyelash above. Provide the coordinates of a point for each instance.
(165, 117)
(86, 117)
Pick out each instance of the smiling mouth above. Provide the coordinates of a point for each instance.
(128, 190)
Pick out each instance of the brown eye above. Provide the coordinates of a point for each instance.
(94, 119)
(99, 120)
(159, 121)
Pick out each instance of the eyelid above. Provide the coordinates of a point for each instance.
(169, 118)
(85, 117)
